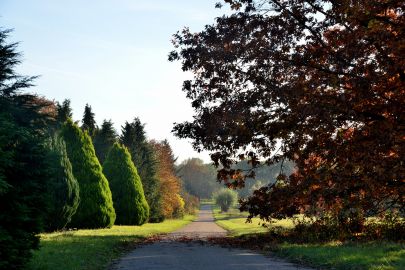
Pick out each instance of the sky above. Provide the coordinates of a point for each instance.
(111, 54)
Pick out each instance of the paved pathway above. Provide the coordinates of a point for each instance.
(170, 254)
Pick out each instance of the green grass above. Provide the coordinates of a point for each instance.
(371, 256)
(207, 201)
(234, 222)
(94, 249)
(333, 255)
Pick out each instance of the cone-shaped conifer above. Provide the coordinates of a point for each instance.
(134, 138)
(62, 187)
(104, 139)
(88, 121)
(96, 207)
(126, 187)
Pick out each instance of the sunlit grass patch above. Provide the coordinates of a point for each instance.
(370, 256)
(334, 255)
(234, 221)
(94, 249)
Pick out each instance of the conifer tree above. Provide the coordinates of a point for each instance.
(62, 187)
(88, 121)
(126, 187)
(64, 111)
(96, 207)
(134, 138)
(104, 139)
(23, 170)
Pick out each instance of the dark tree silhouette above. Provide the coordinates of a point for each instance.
(318, 82)
(88, 121)
(64, 111)
(104, 139)
(134, 138)
(23, 168)
(62, 189)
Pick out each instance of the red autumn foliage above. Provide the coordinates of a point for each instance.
(317, 82)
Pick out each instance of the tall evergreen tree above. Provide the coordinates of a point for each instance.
(23, 170)
(134, 138)
(104, 139)
(126, 187)
(62, 187)
(88, 121)
(64, 111)
(96, 207)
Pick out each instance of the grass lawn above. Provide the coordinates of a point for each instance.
(235, 222)
(334, 255)
(94, 249)
(372, 256)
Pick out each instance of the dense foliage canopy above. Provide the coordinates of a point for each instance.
(23, 155)
(134, 138)
(225, 199)
(62, 188)
(170, 184)
(96, 206)
(126, 187)
(198, 178)
(104, 139)
(320, 83)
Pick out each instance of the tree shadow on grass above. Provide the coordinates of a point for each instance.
(69, 251)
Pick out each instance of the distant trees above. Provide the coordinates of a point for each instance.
(104, 139)
(170, 184)
(88, 122)
(198, 179)
(320, 83)
(23, 168)
(129, 200)
(134, 138)
(62, 188)
(96, 206)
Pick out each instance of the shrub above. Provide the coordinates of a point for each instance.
(62, 187)
(96, 206)
(225, 198)
(126, 187)
(191, 203)
(178, 210)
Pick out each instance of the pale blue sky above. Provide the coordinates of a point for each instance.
(111, 54)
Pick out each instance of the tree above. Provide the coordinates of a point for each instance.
(198, 179)
(126, 187)
(64, 111)
(96, 206)
(104, 139)
(170, 184)
(62, 187)
(23, 170)
(134, 138)
(264, 175)
(225, 198)
(88, 121)
(320, 83)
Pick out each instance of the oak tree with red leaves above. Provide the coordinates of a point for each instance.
(317, 82)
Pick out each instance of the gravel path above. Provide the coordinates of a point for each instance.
(170, 254)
